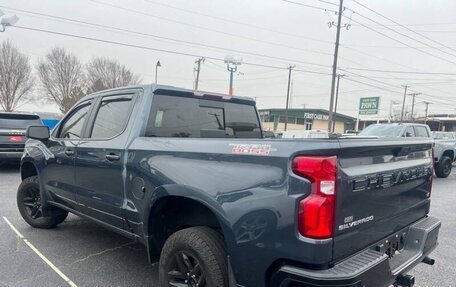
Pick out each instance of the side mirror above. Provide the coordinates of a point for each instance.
(37, 132)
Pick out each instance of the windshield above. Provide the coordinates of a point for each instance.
(18, 121)
(382, 131)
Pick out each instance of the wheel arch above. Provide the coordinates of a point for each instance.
(449, 153)
(28, 169)
(178, 208)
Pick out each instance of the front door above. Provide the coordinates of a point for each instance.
(58, 176)
(100, 159)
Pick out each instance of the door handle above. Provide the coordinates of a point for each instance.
(112, 157)
(69, 152)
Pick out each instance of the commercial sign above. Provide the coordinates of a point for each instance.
(369, 106)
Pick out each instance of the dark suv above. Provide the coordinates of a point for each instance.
(12, 134)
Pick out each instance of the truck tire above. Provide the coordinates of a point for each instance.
(29, 204)
(194, 256)
(443, 168)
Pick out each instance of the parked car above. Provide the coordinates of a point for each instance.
(191, 177)
(444, 150)
(12, 134)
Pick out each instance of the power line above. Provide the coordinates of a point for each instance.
(310, 6)
(424, 36)
(166, 38)
(231, 21)
(209, 29)
(401, 72)
(403, 43)
(422, 24)
(156, 49)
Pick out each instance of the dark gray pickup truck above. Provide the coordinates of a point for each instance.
(190, 175)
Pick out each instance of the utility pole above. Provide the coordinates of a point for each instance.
(426, 111)
(336, 53)
(413, 104)
(290, 67)
(337, 98)
(197, 70)
(403, 102)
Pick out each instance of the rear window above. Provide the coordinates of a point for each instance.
(382, 131)
(421, 132)
(197, 118)
(18, 121)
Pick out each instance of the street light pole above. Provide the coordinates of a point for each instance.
(334, 71)
(156, 71)
(232, 69)
(231, 65)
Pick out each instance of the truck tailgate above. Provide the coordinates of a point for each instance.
(383, 186)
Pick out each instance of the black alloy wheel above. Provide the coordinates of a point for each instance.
(185, 270)
(29, 203)
(32, 202)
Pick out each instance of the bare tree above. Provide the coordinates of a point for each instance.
(15, 76)
(62, 78)
(105, 73)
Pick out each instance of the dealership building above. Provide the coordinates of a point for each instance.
(304, 119)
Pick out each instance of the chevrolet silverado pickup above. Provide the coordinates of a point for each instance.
(189, 174)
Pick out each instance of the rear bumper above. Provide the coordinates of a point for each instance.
(369, 267)
(11, 155)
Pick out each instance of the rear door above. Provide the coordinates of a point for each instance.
(100, 159)
(382, 188)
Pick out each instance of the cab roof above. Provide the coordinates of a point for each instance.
(176, 91)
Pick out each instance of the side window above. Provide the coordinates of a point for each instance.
(111, 117)
(72, 126)
(421, 132)
(409, 132)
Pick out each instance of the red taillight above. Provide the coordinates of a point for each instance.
(15, 139)
(316, 212)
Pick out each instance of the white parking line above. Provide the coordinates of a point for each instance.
(53, 267)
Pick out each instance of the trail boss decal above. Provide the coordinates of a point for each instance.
(349, 223)
(258, 149)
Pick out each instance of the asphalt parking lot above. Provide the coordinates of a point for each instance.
(89, 255)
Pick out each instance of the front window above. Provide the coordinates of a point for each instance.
(73, 124)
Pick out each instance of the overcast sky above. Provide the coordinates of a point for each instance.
(267, 32)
